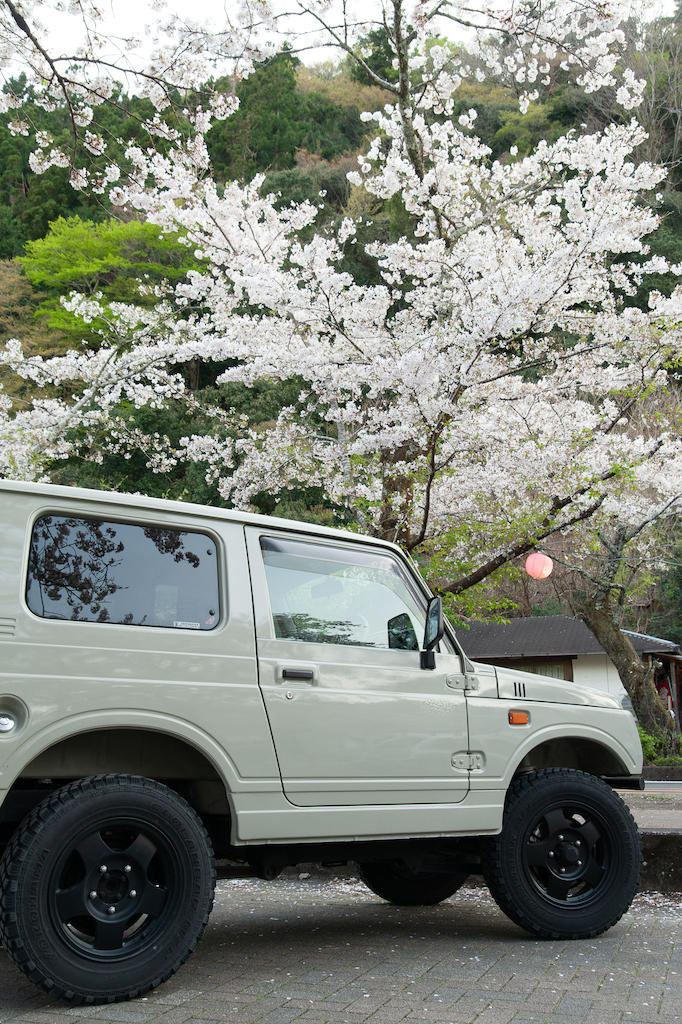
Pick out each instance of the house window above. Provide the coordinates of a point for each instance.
(92, 570)
(554, 669)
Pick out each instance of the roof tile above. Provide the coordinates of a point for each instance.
(546, 636)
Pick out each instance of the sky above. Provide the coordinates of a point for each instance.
(123, 17)
(126, 16)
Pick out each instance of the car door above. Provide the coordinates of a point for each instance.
(354, 718)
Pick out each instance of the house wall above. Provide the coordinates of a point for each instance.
(597, 671)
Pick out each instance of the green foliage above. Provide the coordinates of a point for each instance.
(305, 505)
(11, 234)
(184, 482)
(380, 61)
(298, 185)
(492, 104)
(18, 301)
(28, 201)
(17, 308)
(667, 619)
(550, 606)
(501, 125)
(652, 747)
(275, 120)
(113, 257)
(294, 123)
(486, 601)
(649, 745)
(329, 129)
(260, 403)
(525, 130)
(666, 242)
(266, 130)
(47, 197)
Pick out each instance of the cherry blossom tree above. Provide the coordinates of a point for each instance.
(604, 562)
(161, 53)
(486, 390)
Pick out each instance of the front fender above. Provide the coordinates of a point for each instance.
(505, 746)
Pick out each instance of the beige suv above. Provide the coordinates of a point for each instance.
(180, 682)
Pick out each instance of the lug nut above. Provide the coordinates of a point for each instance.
(102, 869)
(132, 893)
(561, 839)
(93, 895)
(127, 869)
(111, 910)
(551, 853)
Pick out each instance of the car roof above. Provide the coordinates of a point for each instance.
(186, 508)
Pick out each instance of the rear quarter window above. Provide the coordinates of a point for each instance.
(94, 570)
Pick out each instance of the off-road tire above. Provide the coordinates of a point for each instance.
(567, 862)
(397, 882)
(106, 888)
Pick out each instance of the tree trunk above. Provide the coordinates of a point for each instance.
(637, 678)
(194, 373)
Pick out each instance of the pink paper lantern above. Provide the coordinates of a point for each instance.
(539, 566)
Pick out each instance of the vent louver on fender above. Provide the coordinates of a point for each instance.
(7, 627)
(519, 689)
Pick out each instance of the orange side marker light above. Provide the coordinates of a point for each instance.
(519, 718)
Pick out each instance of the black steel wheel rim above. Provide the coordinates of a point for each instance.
(114, 888)
(568, 853)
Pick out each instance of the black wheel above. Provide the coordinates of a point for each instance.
(106, 888)
(406, 886)
(567, 862)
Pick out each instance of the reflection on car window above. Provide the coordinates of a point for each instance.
(90, 570)
(325, 594)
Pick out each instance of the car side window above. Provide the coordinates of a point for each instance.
(333, 595)
(92, 570)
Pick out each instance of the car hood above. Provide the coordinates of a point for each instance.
(517, 685)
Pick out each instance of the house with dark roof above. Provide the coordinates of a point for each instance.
(565, 648)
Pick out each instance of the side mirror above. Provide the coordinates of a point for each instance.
(433, 632)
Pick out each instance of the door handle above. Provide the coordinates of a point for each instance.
(290, 672)
(304, 675)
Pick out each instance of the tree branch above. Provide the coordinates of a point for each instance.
(522, 546)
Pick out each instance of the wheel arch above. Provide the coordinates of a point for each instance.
(156, 747)
(588, 754)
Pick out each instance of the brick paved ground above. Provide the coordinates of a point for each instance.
(312, 951)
